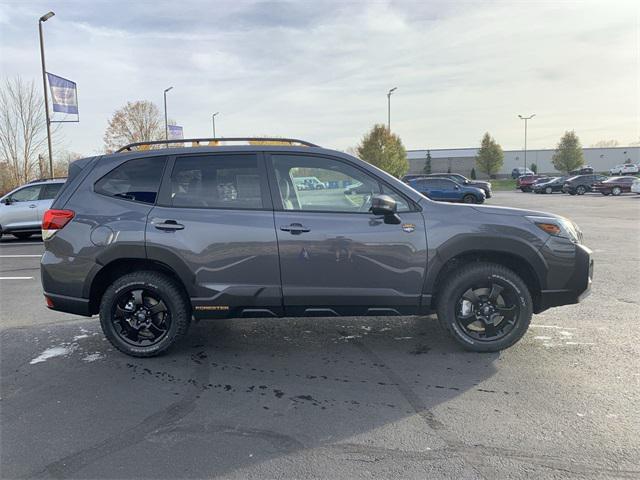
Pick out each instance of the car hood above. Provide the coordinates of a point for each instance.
(478, 182)
(517, 212)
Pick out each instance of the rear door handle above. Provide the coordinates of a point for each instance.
(169, 225)
(295, 228)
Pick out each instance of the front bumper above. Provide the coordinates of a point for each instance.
(578, 286)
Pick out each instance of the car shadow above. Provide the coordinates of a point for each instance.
(231, 395)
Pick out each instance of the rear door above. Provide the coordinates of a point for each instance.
(336, 258)
(213, 224)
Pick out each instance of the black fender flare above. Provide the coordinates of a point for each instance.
(475, 244)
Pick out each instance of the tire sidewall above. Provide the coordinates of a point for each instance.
(454, 290)
(106, 311)
(616, 191)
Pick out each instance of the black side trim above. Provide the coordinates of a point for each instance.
(62, 303)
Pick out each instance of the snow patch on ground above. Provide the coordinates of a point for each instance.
(78, 337)
(92, 357)
(51, 353)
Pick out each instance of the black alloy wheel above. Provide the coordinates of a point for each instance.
(140, 317)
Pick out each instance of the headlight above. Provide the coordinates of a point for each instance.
(558, 227)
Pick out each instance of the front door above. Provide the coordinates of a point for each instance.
(21, 210)
(336, 258)
(213, 224)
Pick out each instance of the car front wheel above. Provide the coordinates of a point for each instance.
(469, 199)
(144, 313)
(580, 190)
(548, 190)
(485, 307)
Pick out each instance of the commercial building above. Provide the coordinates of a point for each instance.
(462, 160)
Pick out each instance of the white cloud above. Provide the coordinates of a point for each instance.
(321, 70)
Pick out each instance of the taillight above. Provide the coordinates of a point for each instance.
(54, 220)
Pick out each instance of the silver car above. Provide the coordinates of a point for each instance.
(21, 209)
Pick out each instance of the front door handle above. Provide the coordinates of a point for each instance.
(295, 228)
(32, 206)
(169, 226)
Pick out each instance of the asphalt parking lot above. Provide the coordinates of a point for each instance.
(333, 398)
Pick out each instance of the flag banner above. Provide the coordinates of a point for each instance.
(64, 95)
(175, 132)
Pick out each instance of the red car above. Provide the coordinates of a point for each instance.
(614, 186)
(526, 182)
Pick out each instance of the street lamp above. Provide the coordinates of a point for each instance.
(526, 119)
(43, 19)
(166, 125)
(213, 121)
(389, 107)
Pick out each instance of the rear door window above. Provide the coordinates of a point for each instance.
(50, 190)
(217, 181)
(136, 180)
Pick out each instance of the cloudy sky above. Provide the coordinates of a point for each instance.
(320, 70)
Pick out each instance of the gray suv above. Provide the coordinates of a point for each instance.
(21, 209)
(151, 239)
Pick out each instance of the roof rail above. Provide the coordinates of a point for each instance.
(291, 141)
(46, 179)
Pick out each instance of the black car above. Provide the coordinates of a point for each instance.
(462, 180)
(586, 170)
(549, 185)
(151, 238)
(581, 184)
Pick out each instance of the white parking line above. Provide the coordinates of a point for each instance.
(16, 278)
(20, 256)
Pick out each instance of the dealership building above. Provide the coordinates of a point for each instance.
(462, 160)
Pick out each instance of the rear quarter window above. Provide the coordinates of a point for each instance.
(135, 180)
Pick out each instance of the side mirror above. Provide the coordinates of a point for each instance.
(7, 201)
(386, 206)
(457, 187)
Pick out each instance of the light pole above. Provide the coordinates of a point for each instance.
(43, 19)
(166, 124)
(526, 119)
(389, 107)
(213, 121)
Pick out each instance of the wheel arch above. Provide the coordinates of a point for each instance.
(527, 263)
(119, 267)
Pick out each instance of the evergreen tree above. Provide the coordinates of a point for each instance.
(427, 163)
(473, 174)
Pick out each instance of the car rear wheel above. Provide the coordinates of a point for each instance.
(548, 190)
(616, 191)
(485, 307)
(469, 199)
(144, 313)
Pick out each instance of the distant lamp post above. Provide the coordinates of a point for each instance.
(166, 124)
(213, 121)
(43, 19)
(526, 119)
(389, 93)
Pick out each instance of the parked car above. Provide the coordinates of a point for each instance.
(520, 171)
(21, 209)
(614, 186)
(445, 190)
(462, 180)
(309, 183)
(625, 169)
(147, 240)
(412, 176)
(549, 185)
(586, 170)
(635, 186)
(526, 182)
(581, 184)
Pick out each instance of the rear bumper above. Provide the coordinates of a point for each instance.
(577, 288)
(62, 303)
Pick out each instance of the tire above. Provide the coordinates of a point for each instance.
(572, 193)
(605, 193)
(156, 286)
(581, 190)
(616, 191)
(469, 199)
(486, 275)
(22, 236)
(524, 189)
(548, 190)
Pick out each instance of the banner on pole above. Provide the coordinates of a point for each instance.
(64, 94)
(175, 132)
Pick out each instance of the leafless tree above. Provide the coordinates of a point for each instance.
(138, 121)
(23, 134)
